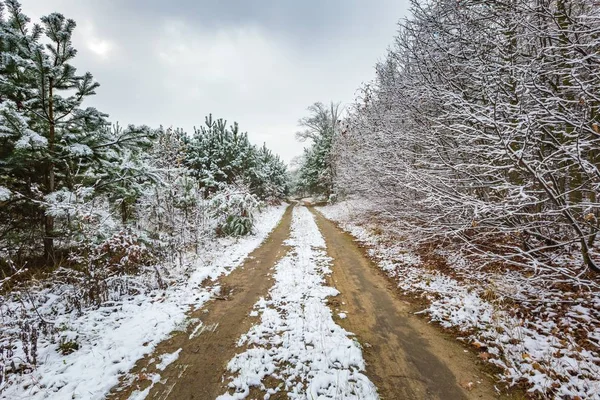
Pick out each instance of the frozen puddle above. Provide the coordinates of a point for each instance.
(296, 342)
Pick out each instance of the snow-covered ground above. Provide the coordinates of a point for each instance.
(548, 339)
(296, 341)
(113, 337)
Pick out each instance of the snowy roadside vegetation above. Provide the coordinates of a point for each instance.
(62, 349)
(296, 342)
(107, 232)
(470, 167)
(546, 338)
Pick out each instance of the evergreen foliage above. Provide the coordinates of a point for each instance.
(218, 156)
(68, 178)
(234, 211)
(316, 172)
(49, 144)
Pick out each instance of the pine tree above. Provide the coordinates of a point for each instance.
(219, 156)
(268, 177)
(48, 142)
(316, 172)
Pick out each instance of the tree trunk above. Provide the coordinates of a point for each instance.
(124, 212)
(49, 220)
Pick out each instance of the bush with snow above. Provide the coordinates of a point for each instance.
(233, 209)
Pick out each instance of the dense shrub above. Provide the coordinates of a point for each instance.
(234, 208)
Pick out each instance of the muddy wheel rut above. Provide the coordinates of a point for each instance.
(406, 357)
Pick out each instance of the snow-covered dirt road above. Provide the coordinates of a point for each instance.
(297, 344)
(308, 317)
(204, 347)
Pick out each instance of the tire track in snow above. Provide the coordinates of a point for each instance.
(296, 347)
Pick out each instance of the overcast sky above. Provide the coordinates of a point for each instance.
(260, 63)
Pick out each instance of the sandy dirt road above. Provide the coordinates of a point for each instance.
(406, 357)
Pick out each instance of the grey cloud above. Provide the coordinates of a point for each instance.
(260, 63)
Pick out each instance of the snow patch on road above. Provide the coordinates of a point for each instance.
(167, 359)
(113, 337)
(143, 394)
(297, 342)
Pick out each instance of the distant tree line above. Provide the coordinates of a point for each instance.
(315, 174)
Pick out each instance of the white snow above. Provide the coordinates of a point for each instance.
(142, 394)
(113, 337)
(31, 139)
(296, 341)
(80, 150)
(166, 359)
(4, 193)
